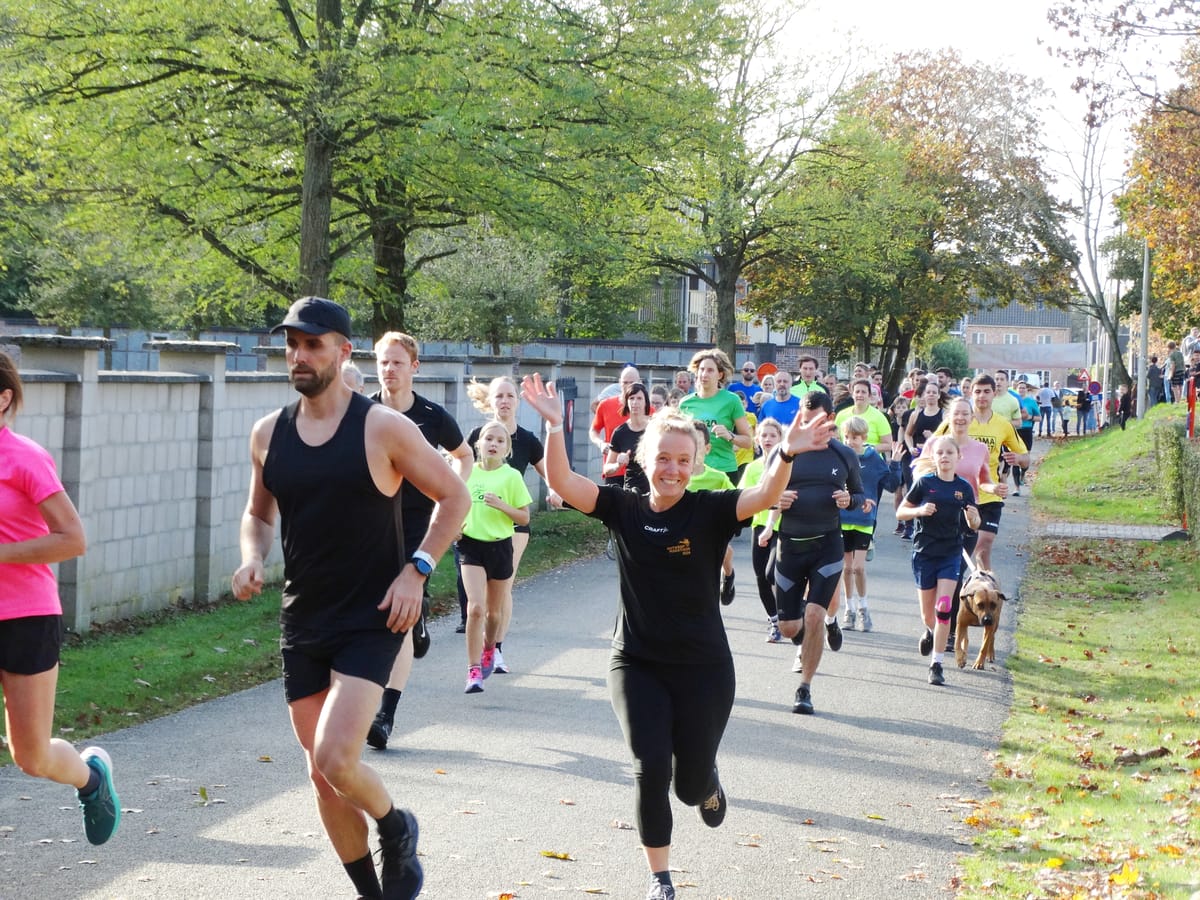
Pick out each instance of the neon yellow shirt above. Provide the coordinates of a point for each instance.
(751, 477)
(995, 433)
(878, 426)
(483, 522)
(710, 480)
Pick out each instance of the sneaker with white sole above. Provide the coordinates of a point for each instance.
(660, 891)
(865, 620)
(849, 620)
(487, 662)
(101, 808)
(498, 661)
(935, 674)
(773, 634)
(798, 665)
(474, 681)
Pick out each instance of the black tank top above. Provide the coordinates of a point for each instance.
(924, 423)
(340, 548)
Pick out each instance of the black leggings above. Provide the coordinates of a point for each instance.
(763, 559)
(673, 717)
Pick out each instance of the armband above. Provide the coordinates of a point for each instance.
(554, 429)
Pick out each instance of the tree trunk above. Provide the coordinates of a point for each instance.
(390, 245)
(316, 200)
(726, 333)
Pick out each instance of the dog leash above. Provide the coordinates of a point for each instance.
(970, 565)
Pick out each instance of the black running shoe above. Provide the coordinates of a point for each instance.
(419, 633)
(402, 875)
(833, 635)
(926, 644)
(935, 674)
(803, 704)
(379, 732)
(712, 810)
(727, 589)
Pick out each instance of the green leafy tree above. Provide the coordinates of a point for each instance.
(929, 191)
(950, 354)
(715, 208)
(307, 144)
(485, 286)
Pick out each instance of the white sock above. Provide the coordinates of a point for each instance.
(938, 657)
(862, 603)
(829, 620)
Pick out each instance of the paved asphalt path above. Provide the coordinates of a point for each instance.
(865, 799)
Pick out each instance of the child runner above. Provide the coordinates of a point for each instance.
(941, 502)
(499, 499)
(499, 399)
(40, 526)
(858, 525)
(706, 478)
(763, 527)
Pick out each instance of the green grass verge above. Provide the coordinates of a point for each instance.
(1097, 777)
(129, 672)
(1106, 477)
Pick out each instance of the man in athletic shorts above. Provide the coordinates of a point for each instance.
(996, 432)
(396, 362)
(348, 596)
(809, 550)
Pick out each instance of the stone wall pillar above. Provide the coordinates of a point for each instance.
(206, 359)
(80, 357)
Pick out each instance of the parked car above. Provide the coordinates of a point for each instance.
(1069, 397)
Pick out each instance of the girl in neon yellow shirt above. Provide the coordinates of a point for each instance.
(499, 502)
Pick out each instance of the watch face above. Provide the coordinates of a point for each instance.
(423, 567)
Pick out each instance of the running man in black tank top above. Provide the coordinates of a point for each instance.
(348, 594)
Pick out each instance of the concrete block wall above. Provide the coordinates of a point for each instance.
(158, 462)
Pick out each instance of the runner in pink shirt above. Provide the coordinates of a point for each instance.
(39, 526)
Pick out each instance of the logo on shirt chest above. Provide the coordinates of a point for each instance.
(683, 548)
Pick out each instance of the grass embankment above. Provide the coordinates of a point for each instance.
(1096, 791)
(129, 672)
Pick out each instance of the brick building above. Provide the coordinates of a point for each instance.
(1033, 340)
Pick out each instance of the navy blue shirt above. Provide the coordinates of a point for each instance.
(940, 536)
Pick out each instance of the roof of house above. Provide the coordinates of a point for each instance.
(989, 313)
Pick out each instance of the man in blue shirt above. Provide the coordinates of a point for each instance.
(783, 405)
(748, 387)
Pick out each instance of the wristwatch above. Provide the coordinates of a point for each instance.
(423, 563)
(786, 457)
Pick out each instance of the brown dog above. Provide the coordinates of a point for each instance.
(980, 604)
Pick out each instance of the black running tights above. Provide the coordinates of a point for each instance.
(763, 559)
(673, 717)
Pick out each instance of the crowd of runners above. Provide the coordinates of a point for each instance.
(801, 460)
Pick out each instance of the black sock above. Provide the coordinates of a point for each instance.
(387, 706)
(662, 877)
(499, 644)
(362, 874)
(392, 825)
(93, 784)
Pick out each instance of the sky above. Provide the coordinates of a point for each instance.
(999, 32)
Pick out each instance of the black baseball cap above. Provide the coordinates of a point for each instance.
(316, 315)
